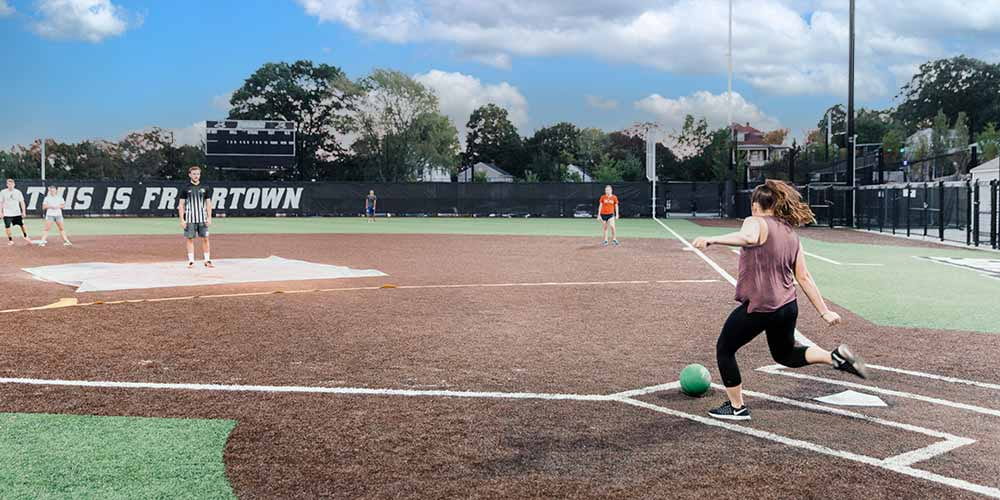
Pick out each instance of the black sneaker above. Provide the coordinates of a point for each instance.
(727, 412)
(845, 361)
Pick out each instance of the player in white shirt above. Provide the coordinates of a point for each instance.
(53, 205)
(12, 206)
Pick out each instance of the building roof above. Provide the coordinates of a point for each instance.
(490, 166)
(746, 129)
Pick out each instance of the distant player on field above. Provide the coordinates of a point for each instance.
(53, 205)
(370, 202)
(770, 261)
(194, 207)
(12, 206)
(607, 210)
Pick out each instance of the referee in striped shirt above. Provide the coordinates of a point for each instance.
(195, 210)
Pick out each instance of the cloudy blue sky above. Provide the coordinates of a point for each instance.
(88, 69)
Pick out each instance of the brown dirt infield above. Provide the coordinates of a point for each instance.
(594, 339)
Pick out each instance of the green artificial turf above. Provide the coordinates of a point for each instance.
(83, 456)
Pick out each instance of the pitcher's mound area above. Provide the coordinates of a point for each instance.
(103, 276)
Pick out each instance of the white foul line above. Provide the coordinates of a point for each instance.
(646, 390)
(900, 468)
(722, 272)
(942, 378)
(824, 259)
(306, 389)
(900, 462)
(950, 441)
(776, 370)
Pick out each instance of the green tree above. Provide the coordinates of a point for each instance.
(319, 98)
(776, 137)
(553, 147)
(609, 170)
(892, 142)
(593, 143)
(960, 143)
(20, 162)
(717, 157)
(989, 142)
(629, 147)
(922, 151)
(693, 148)
(940, 134)
(392, 123)
(492, 138)
(957, 84)
(435, 143)
(144, 154)
(871, 125)
(836, 115)
(543, 168)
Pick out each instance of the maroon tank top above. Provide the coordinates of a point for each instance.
(766, 278)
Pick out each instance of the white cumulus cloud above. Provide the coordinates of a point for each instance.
(780, 46)
(601, 103)
(459, 94)
(221, 102)
(5, 8)
(192, 135)
(670, 113)
(87, 20)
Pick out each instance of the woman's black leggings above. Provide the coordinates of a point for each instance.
(742, 327)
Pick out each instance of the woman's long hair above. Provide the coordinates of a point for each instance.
(785, 201)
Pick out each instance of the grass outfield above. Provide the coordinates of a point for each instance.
(635, 228)
(904, 291)
(84, 456)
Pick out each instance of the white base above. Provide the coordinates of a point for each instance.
(103, 276)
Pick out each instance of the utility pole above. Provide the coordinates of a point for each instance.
(851, 137)
(729, 96)
(43, 158)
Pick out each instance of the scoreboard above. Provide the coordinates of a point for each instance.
(249, 143)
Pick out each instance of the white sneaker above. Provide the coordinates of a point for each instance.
(41, 243)
(67, 244)
(10, 243)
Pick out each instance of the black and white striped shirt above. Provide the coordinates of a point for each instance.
(197, 196)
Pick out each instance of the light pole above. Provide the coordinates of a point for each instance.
(43, 158)
(851, 136)
(729, 96)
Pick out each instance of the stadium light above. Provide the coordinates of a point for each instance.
(851, 135)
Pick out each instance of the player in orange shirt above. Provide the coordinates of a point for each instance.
(607, 210)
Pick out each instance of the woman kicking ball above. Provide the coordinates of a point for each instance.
(771, 260)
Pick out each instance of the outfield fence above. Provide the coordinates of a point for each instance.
(959, 211)
(249, 198)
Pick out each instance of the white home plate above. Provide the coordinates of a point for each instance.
(104, 276)
(852, 398)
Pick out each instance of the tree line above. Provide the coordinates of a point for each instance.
(957, 100)
(388, 127)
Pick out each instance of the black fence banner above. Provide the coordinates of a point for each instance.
(246, 198)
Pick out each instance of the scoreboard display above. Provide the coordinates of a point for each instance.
(249, 143)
